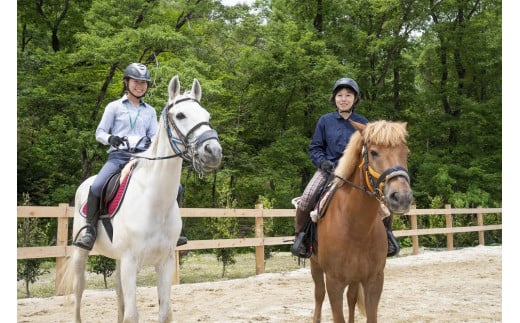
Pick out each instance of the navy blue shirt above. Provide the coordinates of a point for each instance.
(331, 136)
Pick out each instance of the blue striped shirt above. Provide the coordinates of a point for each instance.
(121, 118)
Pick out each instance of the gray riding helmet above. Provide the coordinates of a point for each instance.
(137, 71)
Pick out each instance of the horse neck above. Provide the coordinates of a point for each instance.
(361, 207)
(162, 175)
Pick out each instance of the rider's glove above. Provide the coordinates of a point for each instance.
(147, 142)
(115, 141)
(327, 166)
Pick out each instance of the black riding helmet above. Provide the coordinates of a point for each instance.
(136, 71)
(342, 83)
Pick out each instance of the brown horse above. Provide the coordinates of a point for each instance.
(352, 243)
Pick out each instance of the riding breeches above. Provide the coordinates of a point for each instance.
(309, 196)
(114, 164)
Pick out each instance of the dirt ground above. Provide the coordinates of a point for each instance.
(450, 286)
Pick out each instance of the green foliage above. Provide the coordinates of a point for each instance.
(29, 271)
(101, 265)
(225, 228)
(266, 76)
(30, 233)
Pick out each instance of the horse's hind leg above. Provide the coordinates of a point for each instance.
(119, 293)
(165, 273)
(319, 290)
(79, 261)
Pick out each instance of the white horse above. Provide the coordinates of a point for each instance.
(148, 222)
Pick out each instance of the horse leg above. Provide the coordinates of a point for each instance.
(352, 294)
(373, 289)
(335, 289)
(165, 271)
(79, 262)
(319, 290)
(119, 293)
(128, 271)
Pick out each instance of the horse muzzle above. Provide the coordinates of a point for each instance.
(398, 195)
(208, 155)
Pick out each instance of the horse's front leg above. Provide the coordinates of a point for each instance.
(373, 289)
(319, 290)
(119, 293)
(335, 289)
(128, 276)
(165, 272)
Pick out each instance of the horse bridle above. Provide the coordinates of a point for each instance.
(375, 182)
(189, 153)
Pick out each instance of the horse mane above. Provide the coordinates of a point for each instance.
(383, 133)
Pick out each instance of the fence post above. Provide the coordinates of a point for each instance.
(480, 222)
(415, 238)
(259, 233)
(62, 236)
(176, 272)
(449, 225)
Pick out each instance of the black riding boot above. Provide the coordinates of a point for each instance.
(393, 245)
(299, 249)
(182, 240)
(88, 239)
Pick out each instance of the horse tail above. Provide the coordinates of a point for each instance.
(361, 301)
(65, 285)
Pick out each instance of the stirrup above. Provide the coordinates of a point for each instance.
(182, 241)
(393, 245)
(298, 249)
(91, 230)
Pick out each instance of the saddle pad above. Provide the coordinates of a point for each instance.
(323, 203)
(114, 204)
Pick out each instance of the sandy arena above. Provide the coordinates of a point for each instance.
(450, 286)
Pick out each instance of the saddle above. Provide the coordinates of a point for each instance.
(112, 195)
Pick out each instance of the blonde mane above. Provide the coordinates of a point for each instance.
(383, 133)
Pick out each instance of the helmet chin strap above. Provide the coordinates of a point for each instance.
(139, 97)
(346, 111)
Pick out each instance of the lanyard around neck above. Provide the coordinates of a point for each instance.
(133, 122)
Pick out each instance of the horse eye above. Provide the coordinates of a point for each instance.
(374, 153)
(180, 116)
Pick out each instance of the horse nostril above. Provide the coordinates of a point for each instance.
(401, 197)
(213, 150)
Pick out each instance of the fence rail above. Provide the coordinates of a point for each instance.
(63, 212)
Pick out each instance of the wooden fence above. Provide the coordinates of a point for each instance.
(63, 212)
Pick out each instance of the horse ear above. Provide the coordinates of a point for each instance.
(359, 126)
(196, 91)
(174, 87)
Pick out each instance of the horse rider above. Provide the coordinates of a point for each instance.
(130, 117)
(331, 136)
